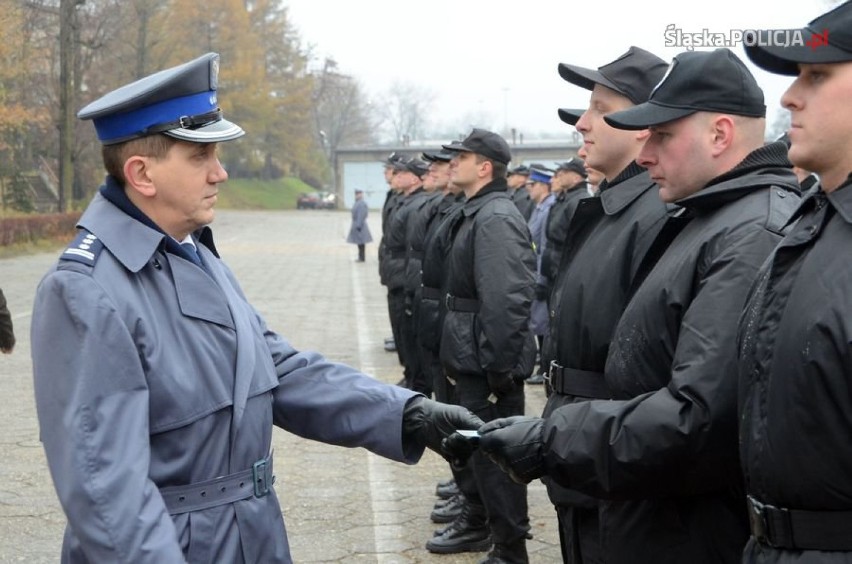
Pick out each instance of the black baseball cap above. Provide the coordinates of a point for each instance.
(574, 165)
(826, 39)
(441, 156)
(569, 115)
(412, 165)
(697, 81)
(522, 170)
(633, 74)
(485, 143)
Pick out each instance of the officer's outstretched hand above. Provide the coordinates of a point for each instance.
(429, 422)
(515, 444)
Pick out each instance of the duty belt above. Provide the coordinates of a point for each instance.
(462, 304)
(574, 382)
(797, 529)
(256, 481)
(430, 293)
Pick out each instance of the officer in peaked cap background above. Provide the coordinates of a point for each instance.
(156, 383)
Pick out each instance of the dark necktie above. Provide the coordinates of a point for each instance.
(192, 253)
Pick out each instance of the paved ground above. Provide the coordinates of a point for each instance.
(340, 505)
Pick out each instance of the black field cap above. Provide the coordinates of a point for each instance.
(412, 165)
(570, 116)
(573, 165)
(827, 39)
(393, 158)
(697, 81)
(485, 143)
(523, 170)
(443, 156)
(633, 74)
(180, 102)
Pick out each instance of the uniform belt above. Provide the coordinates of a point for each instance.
(462, 304)
(581, 383)
(430, 293)
(256, 481)
(417, 255)
(796, 529)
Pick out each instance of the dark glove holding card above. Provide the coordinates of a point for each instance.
(516, 445)
(460, 446)
(429, 422)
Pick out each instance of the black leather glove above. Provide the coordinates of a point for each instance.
(458, 449)
(500, 383)
(429, 422)
(516, 445)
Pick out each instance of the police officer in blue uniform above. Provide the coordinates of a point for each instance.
(157, 384)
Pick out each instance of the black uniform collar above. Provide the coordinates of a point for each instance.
(498, 186)
(765, 166)
(841, 199)
(632, 170)
(625, 189)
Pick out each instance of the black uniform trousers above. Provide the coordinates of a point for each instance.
(396, 313)
(505, 501)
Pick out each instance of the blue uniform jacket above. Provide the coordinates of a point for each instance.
(152, 373)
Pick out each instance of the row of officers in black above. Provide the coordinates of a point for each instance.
(696, 347)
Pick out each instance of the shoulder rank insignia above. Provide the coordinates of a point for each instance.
(85, 248)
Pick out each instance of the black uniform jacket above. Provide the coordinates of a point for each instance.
(665, 447)
(795, 370)
(432, 307)
(420, 217)
(396, 246)
(556, 229)
(608, 237)
(523, 201)
(492, 264)
(391, 201)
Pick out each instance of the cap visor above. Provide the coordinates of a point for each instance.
(569, 116)
(222, 130)
(455, 147)
(785, 60)
(645, 115)
(585, 78)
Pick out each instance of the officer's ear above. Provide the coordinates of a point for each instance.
(722, 128)
(137, 177)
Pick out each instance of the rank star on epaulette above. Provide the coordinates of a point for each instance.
(85, 249)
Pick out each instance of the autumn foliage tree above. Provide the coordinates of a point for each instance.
(265, 80)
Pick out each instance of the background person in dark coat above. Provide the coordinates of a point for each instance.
(795, 357)
(7, 333)
(359, 232)
(664, 448)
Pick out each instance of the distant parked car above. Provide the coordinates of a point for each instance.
(316, 201)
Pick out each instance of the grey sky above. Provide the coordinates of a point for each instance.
(498, 59)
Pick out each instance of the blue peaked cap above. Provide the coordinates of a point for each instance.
(180, 102)
(538, 175)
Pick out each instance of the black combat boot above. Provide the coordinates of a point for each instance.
(448, 511)
(446, 490)
(510, 553)
(468, 533)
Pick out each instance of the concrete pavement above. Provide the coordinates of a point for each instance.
(340, 505)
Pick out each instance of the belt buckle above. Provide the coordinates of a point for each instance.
(757, 520)
(548, 376)
(448, 301)
(260, 477)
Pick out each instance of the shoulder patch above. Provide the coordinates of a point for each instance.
(85, 248)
